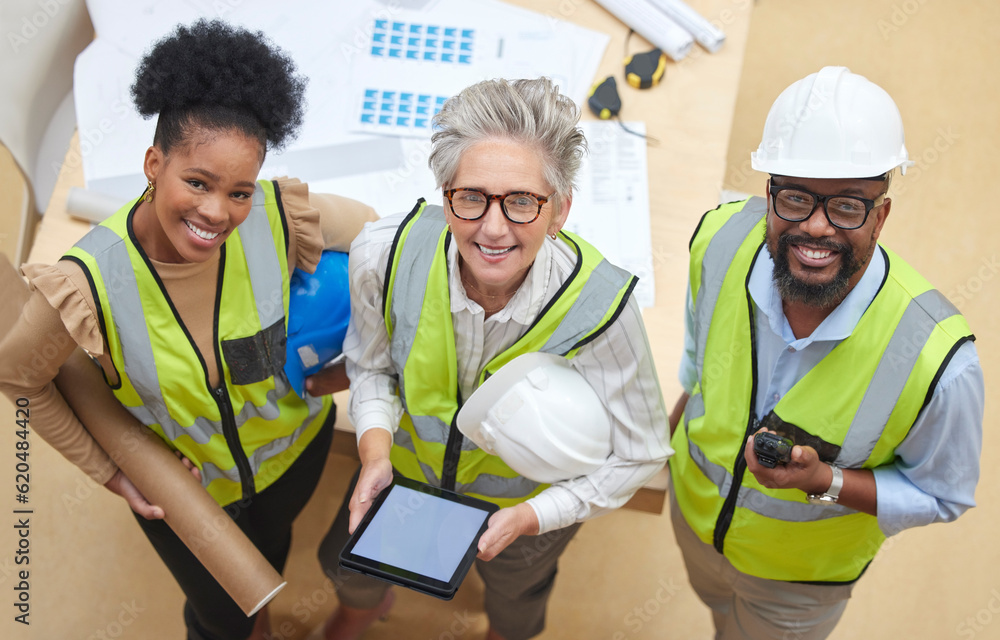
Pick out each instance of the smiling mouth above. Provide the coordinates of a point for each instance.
(205, 235)
(816, 254)
(494, 252)
(813, 253)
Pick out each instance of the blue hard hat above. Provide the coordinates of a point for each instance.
(319, 308)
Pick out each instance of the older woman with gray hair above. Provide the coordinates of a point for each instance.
(500, 277)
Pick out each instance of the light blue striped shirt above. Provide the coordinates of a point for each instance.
(937, 467)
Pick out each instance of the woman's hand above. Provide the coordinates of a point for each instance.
(374, 477)
(506, 526)
(120, 484)
(328, 380)
(195, 471)
(376, 473)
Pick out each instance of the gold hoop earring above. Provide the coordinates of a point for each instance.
(553, 236)
(148, 196)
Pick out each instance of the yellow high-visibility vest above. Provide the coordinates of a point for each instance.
(860, 401)
(245, 433)
(417, 309)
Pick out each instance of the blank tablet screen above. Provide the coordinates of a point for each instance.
(421, 533)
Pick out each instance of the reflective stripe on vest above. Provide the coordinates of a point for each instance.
(486, 485)
(162, 380)
(879, 377)
(417, 279)
(718, 256)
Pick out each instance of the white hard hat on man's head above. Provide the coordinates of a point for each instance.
(539, 415)
(832, 124)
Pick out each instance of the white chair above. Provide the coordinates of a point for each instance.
(37, 117)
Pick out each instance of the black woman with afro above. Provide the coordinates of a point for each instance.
(181, 298)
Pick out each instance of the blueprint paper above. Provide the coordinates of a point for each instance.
(319, 36)
(412, 62)
(385, 60)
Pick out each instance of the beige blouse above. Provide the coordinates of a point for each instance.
(60, 315)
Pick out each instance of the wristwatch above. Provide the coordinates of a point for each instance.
(833, 493)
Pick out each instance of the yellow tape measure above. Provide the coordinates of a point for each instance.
(644, 70)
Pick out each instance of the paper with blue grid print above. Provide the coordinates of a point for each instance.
(411, 66)
(334, 144)
(401, 40)
(399, 112)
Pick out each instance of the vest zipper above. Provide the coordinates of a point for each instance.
(231, 432)
(729, 506)
(221, 394)
(740, 466)
(452, 453)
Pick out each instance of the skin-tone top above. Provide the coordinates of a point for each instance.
(60, 315)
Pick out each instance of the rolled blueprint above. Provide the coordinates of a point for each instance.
(704, 32)
(653, 25)
(152, 467)
(92, 206)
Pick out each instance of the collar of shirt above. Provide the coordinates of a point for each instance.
(527, 301)
(836, 326)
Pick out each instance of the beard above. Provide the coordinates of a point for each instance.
(823, 294)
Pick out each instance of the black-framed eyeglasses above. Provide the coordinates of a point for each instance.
(796, 204)
(520, 207)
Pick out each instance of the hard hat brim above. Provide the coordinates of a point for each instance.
(473, 412)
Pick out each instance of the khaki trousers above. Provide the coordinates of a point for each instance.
(518, 581)
(747, 607)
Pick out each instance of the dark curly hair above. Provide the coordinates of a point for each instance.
(213, 75)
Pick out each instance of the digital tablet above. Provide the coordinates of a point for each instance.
(418, 536)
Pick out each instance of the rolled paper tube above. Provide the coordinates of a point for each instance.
(189, 510)
(652, 24)
(195, 517)
(707, 34)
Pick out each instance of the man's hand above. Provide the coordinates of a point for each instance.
(506, 525)
(805, 471)
(678, 410)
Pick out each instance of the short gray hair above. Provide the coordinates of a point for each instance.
(532, 112)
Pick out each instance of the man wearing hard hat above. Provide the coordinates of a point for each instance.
(800, 324)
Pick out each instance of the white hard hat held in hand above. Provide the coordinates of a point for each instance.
(540, 416)
(832, 124)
